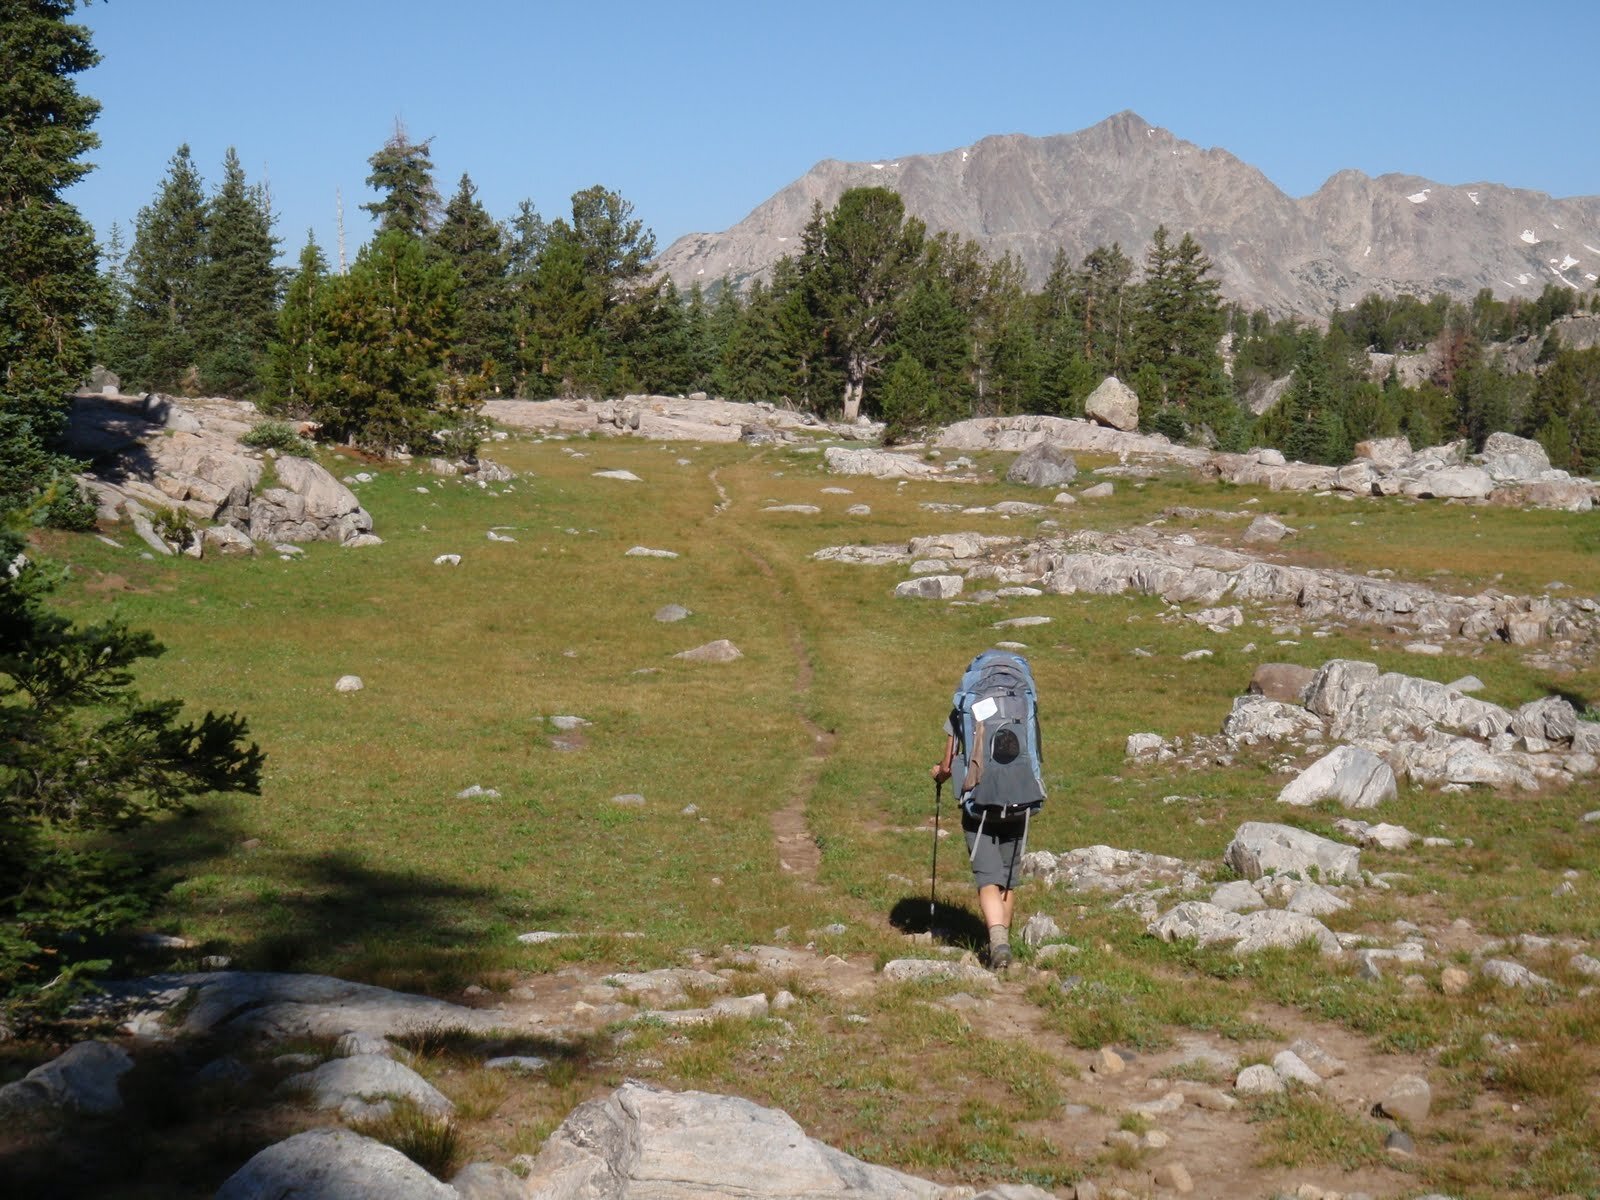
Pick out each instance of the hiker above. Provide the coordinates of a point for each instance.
(994, 742)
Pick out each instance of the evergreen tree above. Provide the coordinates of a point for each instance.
(165, 269)
(385, 337)
(81, 751)
(526, 237)
(931, 330)
(1102, 307)
(402, 174)
(1179, 323)
(857, 265)
(291, 372)
(49, 291)
(237, 301)
(476, 247)
(112, 318)
(910, 399)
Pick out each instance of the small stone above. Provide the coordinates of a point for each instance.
(1258, 1080)
(1399, 1144)
(1291, 1068)
(1157, 1139)
(1210, 1098)
(672, 612)
(1174, 1176)
(1407, 1099)
(1453, 981)
(1107, 1061)
(349, 683)
(629, 800)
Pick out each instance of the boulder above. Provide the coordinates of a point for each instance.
(368, 1078)
(1286, 683)
(878, 464)
(1256, 719)
(83, 1080)
(1113, 404)
(278, 1006)
(1356, 778)
(1508, 458)
(930, 587)
(643, 1142)
(719, 651)
(1385, 453)
(1043, 465)
(1553, 719)
(1267, 529)
(1450, 483)
(1259, 848)
(333, 1164)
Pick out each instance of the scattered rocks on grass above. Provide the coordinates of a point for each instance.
(648, 552)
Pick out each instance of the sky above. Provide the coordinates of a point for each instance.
(696, 112)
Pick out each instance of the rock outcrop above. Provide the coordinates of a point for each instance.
(156, 455)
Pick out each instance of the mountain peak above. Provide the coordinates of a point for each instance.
(1117, 180)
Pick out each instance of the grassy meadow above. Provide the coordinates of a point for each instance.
(358, 859)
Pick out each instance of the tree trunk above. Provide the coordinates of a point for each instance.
(852, 396)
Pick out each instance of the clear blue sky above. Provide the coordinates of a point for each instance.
(696, 112)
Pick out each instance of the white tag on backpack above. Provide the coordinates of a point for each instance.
(985, 708)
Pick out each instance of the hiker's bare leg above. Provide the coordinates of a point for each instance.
(997, 904)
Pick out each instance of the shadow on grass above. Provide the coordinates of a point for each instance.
(950, 925)
(196, 1107)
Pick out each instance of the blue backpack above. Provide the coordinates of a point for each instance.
(998, 766)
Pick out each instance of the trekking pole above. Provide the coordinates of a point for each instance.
(933, 883)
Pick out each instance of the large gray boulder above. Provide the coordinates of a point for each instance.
(1114, 404)
(1450, 483)
(1260, 848)
(332, 1164)
(1356, 778)
(308, 505)
(642, 1142)
(84, 1080)
(1043, 465)
(1508, 458)
(1256, 719)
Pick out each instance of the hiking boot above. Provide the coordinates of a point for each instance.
(999, 957)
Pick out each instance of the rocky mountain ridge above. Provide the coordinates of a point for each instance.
(1118, 180)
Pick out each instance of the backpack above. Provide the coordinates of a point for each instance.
(998, 767)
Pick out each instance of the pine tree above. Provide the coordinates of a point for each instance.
(236, 306)
(402, 172)
(526, 236)
(292, 369)
(475, 246)
(1179, 323)
(81, 751)
(857, 266)
(385, 337)
(49, 291)
(165, 268)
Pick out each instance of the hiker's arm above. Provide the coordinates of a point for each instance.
(942, 772)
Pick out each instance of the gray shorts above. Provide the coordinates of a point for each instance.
(997, 855)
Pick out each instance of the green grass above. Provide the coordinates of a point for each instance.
(357, 859)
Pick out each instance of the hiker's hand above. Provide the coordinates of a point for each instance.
(940, 773)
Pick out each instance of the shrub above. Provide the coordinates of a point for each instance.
(276, 435)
